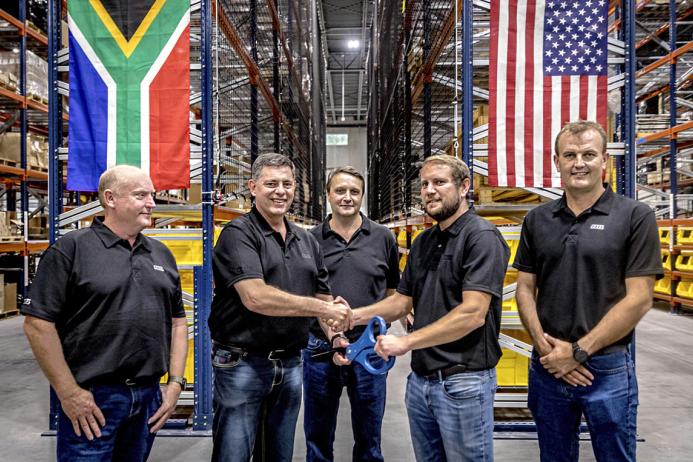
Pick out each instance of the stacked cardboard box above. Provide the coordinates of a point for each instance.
(37, 149)
(8, 295)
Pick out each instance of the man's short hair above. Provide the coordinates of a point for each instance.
(113, 178)
(347, 169)
(270, 159)
(460, 171)
(578, 128)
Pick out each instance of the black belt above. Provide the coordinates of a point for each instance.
(269, 354)
(445, 372)
(128, 382)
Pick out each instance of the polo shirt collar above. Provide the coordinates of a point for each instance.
(603, 204)
(265, 227)
(365, 225)
(109, 238)
(455, 228)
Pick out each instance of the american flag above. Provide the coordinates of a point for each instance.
(548, 66)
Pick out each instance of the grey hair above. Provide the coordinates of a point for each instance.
(271, 159)
(114, 178)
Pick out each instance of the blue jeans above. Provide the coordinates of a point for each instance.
(125, 437)
(323, 382)
(609, 405)
(452, 419)
(256, 404)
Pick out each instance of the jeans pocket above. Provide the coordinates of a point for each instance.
(224, 359)
(462, 386)
(609, 364)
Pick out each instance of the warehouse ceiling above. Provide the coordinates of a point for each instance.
(345, 30)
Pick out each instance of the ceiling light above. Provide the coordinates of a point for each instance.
(15, 50)
(351, 44)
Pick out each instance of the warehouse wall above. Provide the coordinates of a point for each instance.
(353, 154)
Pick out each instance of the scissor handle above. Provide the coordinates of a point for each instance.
(362, 350)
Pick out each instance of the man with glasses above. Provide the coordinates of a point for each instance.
(454, 282)
(269, 281)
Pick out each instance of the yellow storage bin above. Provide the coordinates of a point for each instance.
(187, 252)
(666, 259)
(684, 289)
(402, 239)
(513, 241)
(684, 235)
(187, 280)
(665, 235)
(509, 305)
(416, 233)
(684, 261)
(663, 286)
(402, 263)
(512, 369)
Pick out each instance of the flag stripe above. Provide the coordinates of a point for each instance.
(547, 67)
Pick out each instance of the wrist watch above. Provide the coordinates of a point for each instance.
(179, 380)
(579, 354)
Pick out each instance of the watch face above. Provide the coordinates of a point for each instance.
(580, 355)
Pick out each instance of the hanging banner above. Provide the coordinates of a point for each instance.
(548, 66)
(129, 90)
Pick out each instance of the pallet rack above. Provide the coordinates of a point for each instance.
(237, 49)
(24, 186)
(429, 91)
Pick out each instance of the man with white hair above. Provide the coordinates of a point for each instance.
(105, 320)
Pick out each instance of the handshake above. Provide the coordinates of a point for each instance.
(338, 315)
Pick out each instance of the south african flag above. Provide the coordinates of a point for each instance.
(129, 90)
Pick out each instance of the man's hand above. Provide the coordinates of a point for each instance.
(338, 316)
(80, 407)
(338, 358)
(391, 345)
(169, 399)
(561, 364)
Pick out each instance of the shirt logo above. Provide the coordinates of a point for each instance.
(600, 227)
(159, 268)
(27, 301)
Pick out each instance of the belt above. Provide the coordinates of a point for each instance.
(445, 372)
(272, 355)
(128, 382)
(619, 348)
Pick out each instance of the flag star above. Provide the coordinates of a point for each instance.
(549, 53)
(562, 20)
(549, 21)
(594, 44)
(575, 36)
(568, 60)
(600, 35)
(581, 59)
(555, 44)
(561, 52)
(550, 5)
(595, 11)
(599, 68)
(569, 29)
(554, 61)
(582, 12)
(588, 19)
(561, 68)
(556, 29)
(574, 68)
(581, 27)
(549, 37)
(581, 44)
(561, 37)
(588, 3)
(600, 19)
(593, 60)
(594, 27)
(548, 69)
(598, 51)
(574, 52)
(588, 51)
(564, 5)
(575, 20)
(587, 68)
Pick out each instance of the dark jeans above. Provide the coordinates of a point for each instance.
(609, 405)
(323, 382)
(125, 437)
(256, 403)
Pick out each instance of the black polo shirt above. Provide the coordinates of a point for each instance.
(469, 255)
(581, 263)
(248, 248)
(360, 270)
(111, 303)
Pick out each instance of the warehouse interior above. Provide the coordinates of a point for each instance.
(379, 85)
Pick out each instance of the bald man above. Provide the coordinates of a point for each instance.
(105, 320)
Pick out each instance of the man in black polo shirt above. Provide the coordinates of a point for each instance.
(587, 264)
(454, 282)
(363, 265)
(105, 320)
(269, 280)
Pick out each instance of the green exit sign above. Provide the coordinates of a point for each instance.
(337, 139)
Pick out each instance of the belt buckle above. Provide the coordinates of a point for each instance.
(130, 382)
(271, 354)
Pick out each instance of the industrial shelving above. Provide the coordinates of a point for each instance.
(21, 113)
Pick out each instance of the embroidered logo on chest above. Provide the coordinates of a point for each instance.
(159, 268)
(600, 227)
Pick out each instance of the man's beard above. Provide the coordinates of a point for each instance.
(446, 211)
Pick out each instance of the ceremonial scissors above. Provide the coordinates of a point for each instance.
(362, 350)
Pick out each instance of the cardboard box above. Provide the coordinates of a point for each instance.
(10, 297)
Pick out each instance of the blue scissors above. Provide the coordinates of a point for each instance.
(362, 350)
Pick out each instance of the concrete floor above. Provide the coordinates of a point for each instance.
(665, 371)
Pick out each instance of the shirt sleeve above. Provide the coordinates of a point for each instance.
(644, 248)
(323, 274)
(525, 259)
(392, 277)
(485, 262)
(405, 286)
(48, 290)
(177, 307)
(236, 256)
